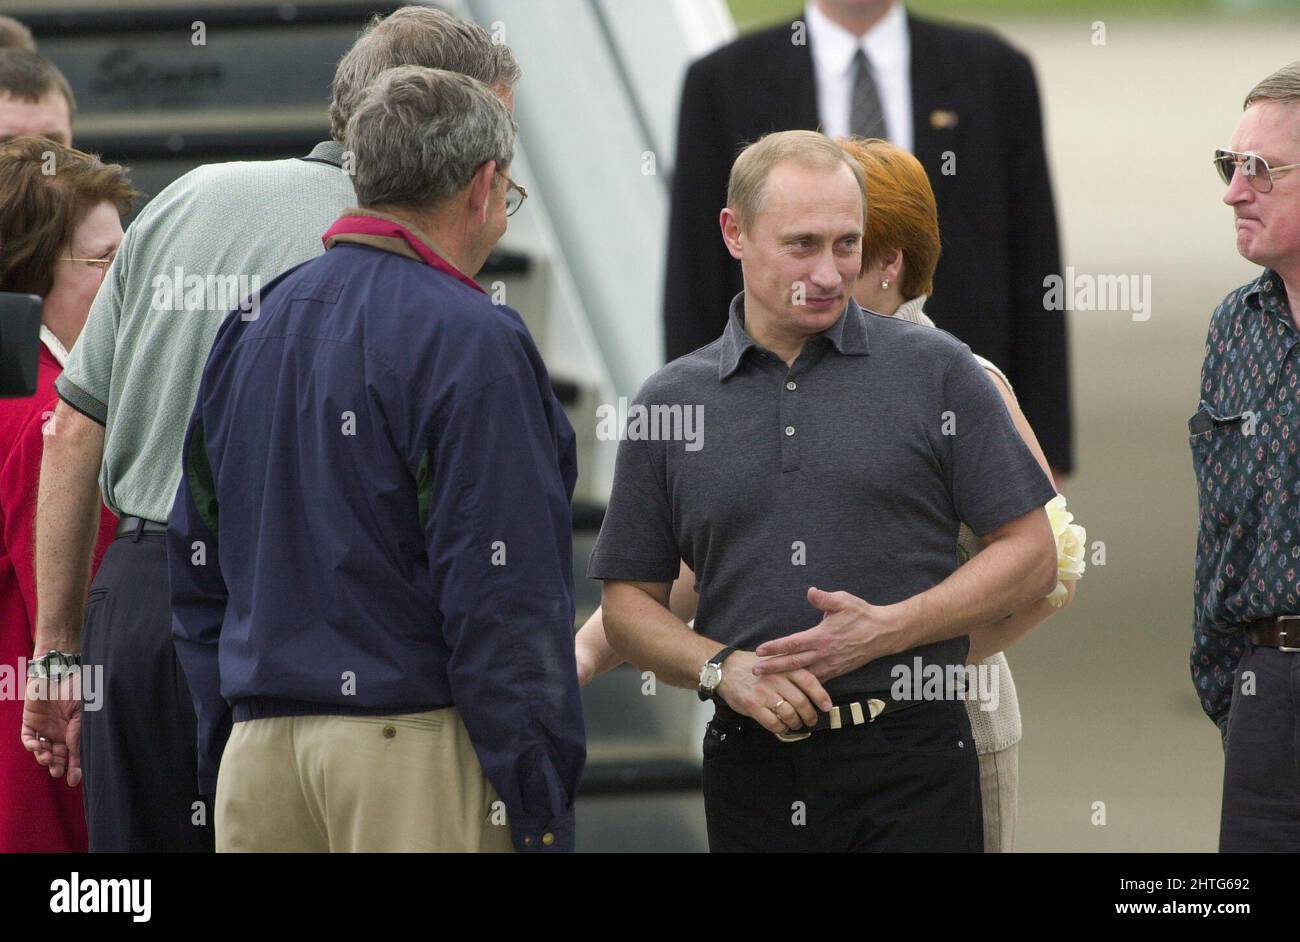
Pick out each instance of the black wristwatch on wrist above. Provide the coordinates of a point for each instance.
(711, 673)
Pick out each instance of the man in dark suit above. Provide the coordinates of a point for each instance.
(964, 102)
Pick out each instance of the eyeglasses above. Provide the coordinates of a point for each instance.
(100, 263)
(1258, 173)
(515, 195)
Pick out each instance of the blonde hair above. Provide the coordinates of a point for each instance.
(745, 189)
(903, 212)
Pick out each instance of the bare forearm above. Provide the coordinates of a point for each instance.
(1008, 576)
(67, 521)
(990, 639)
(642, 629)
(594, 653)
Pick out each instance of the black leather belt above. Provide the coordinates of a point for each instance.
(130, 526)
(857, 712)
(1282, 632)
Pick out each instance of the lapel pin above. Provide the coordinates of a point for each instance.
(942, 119)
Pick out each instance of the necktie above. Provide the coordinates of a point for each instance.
(866, 117)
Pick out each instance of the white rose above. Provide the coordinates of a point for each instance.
(1071, 541)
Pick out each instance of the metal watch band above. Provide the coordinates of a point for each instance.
(53, 665)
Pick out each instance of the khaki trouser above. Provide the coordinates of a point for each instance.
(356, 783)
(999, 772)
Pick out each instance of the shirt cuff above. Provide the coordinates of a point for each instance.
(541, 835)
(81, 400)
(623, 568)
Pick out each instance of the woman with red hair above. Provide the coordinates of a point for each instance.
(900, 250)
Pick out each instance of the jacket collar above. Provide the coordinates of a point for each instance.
(390, 234)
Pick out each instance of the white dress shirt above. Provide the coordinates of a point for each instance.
(890, 51)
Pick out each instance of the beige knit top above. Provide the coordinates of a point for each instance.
(994, 730)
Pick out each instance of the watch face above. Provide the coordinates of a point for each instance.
(710, 676)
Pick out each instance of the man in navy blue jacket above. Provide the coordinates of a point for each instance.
(369, 551)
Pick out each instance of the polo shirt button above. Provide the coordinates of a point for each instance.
(548, 838)
(791, 386)
(389, 732)
(789, 430)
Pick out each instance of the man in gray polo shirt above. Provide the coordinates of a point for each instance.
(832, 456)
(202, 248)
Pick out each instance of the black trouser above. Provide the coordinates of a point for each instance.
(1261, 769)
(909, 781)
(138, 751)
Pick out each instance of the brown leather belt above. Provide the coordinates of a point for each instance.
(1282, 632)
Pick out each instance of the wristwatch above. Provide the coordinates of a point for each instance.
(53, 665)
(711, 673)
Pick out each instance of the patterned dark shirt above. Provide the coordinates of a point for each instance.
(1243, 440)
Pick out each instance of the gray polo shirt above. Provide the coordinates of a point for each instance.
(197, 252)
(851, 470)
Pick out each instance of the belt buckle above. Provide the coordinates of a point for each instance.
(792, 737)
(1283, 647)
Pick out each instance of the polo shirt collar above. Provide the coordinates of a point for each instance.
(390, 234)
(734, 339)
(849, 332)
(327, 152)
(833, 47)
(848, 335)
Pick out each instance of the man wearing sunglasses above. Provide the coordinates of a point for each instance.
(1244, 439)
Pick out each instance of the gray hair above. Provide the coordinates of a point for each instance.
(420, 134)
(1282, 86)
(14, 35)
(417, 35)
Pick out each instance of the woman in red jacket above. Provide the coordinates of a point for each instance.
(60, 227)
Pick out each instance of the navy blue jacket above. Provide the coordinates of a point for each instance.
(374, 517)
